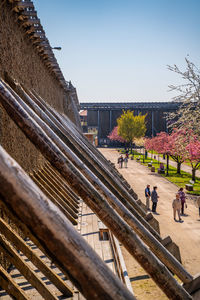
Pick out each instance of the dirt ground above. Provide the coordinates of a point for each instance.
(186, 234)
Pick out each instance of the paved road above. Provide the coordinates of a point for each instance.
(186, 234)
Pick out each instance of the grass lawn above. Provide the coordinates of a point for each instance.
(179, 179)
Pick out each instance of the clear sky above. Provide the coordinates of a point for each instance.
(118, 50)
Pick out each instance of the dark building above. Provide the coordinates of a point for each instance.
(103, 116)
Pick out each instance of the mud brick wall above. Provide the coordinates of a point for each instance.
(19, 59)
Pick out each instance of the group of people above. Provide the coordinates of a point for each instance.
(154, 197)
(122, 160)
(178, 204)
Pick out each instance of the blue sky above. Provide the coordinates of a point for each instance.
(118, 50)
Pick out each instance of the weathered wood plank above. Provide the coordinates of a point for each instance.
(10, 286)
(27, 233)
(53, 184)
(51, 194)
(48, 167)
(49, 184)
(31, 255)
(24, 269)
(57, 234)
(73, 204)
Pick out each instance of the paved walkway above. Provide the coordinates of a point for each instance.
(186, 234)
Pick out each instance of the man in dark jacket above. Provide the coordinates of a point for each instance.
(147, 195)
(154, 198)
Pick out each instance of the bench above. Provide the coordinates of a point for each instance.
(189, 187)
(161, 171)
(102, 229)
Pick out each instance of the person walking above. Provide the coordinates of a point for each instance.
(120, 161)
(176, 204)
(154, 198)
(183, 200)
(147, 195)
(125, 161)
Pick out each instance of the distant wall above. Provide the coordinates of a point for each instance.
(19, 59)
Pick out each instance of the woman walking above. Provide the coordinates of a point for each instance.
(183, 200)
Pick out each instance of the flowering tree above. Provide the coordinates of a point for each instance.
(173, 145)
(177, 143)
(131, 127)
(161, 145)
(181, 145)
(188, 115)
(193, 149)
(113, 136)
(149, 145)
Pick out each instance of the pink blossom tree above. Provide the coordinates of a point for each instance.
(113, 136)
(180, 145)
(177, 143)
(148, 144)
(193, 149)
(161, 145)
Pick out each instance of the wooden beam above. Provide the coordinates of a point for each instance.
(88, 272)
(24, 269)
(19, 243)
(24, 4)
(28, 233)
(94, 199)
(49, 168)
(30, 22)
(62, 199)
(154, 244)
(10, 286)
(20, 5)
(29, 13)
(119, 257)
(50, 193)
(87, 156)
(59, 189)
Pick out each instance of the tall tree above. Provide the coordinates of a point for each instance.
(188, 114)
(161, 145)
(177, 143)
(193, 149)
(131, 127)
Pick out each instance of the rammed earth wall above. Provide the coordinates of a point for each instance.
(19, 58)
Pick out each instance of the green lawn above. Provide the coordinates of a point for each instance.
(180, 180)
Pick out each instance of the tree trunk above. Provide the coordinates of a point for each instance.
(193, 174)
(143, 155)
(132, 148)
(167, 165)
(178, 168)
